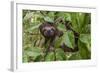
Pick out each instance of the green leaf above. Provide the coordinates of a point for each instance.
(38, 58)
(60, 55)
(86, 39)
(28, 15)
(68, 39)
(85, 25)
(83, 50)
(50, 56)
(75, 56)
(74, 21)
(67, 16)
(64, 15)
(58, 41)
(51, 15)
(61, 27)
(48, 19)
(25, 57)
(34, 53)
(33, 27)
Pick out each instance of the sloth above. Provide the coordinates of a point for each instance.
(50, 32)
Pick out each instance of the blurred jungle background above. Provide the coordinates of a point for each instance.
(33, 41)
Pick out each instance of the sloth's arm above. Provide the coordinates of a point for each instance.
(76, 37)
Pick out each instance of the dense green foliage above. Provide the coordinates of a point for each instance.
(33, 41)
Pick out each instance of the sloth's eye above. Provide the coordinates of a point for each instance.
(52, 29)
(44, 30)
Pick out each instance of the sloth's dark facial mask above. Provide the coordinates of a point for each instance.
(49, 31)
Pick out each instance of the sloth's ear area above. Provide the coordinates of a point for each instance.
(41, 26)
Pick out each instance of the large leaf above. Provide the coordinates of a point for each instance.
(59, 41)
(85, 25)
(51, 15)
(60, 55)
(68, 39)
(50, 56)
(74, 21)
(86, 39)
(84, 52)
(34, 53)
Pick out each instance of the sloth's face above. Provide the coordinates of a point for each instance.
(49, 31)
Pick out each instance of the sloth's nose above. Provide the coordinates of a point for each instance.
(49, 31)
